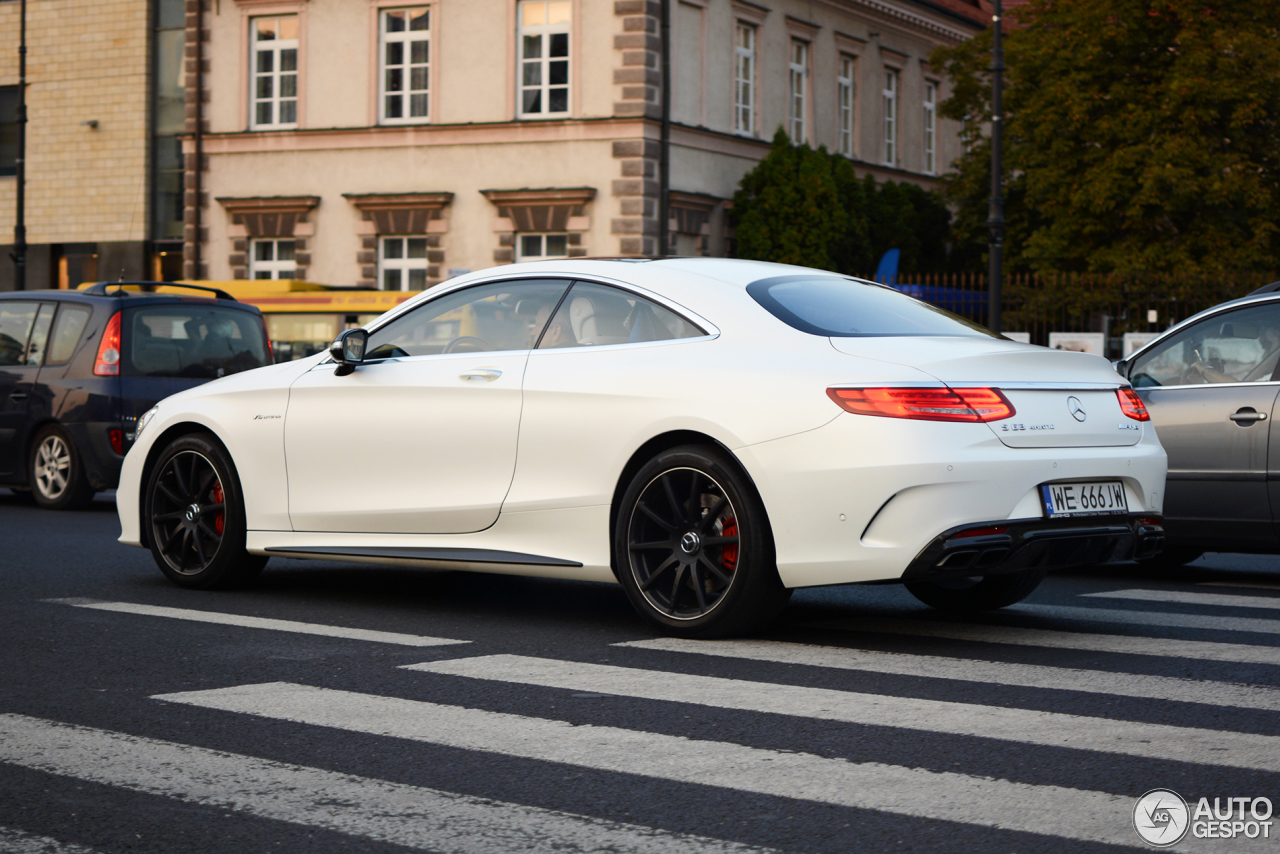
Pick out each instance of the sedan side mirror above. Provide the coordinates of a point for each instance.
(348, 350)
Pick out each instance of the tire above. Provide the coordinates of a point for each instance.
(55, 470)
(194, 513)
(693, 546)
(985, 593)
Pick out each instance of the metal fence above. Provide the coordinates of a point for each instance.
(1049, 309)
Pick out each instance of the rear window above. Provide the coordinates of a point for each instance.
(191, 341)
(843, 308)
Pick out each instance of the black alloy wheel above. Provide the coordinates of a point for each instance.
(195, 516)
(977, 593)
(693, 547)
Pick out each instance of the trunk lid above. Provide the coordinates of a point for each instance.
(1062, 399)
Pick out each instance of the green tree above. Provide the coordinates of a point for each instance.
(1140, 136)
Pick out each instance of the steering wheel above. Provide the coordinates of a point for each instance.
(467, 343)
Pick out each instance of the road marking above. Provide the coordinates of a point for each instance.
(1022, 636)
(984, 672)
(258, 623)
(1256, 586)
(1152, 618)
(1050, 810)
(405, 815)
(1189, 598)
(13, 841)
(1023, 726)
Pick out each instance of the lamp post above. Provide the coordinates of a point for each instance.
(19, 254)
(995, 214)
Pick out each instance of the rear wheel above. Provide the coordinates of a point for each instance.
(693, 546)
(56, 471)
(195, 516)
(977, 593)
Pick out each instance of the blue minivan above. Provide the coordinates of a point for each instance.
(77, 368)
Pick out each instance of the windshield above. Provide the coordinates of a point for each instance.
(844, 308)
(192, 341)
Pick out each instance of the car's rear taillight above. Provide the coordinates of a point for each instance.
(108, 362)
(1132, 405)
(116, 438)
(925, 404)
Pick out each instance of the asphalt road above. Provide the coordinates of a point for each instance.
(337, 707)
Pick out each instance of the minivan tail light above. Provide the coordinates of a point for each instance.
(108, 362)
(1132, 405)
(925, 404)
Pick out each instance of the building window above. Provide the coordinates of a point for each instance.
(544, 58)
(273, 259)
(930, 128)
(402, 263)
(799, 80)
(846, 89)
(744, 97)
(274, 55)
(537, 246)
(890, 117)
(406, 63)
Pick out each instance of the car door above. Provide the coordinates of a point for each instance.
(421, 437)
(1211, 392)
(24, 331)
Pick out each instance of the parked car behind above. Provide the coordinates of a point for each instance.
(1210, 384)
(77, 368)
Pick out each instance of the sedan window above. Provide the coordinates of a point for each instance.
(595, 314)
(497, 316)
(1241, 346)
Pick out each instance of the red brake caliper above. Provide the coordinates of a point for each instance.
(219, 521)
(729, 553)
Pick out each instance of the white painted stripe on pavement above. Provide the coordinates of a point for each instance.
(1051, 810)
(1022, 726)
(13, 841)
(411, 816)
(984, 672)
(258, 623)
(1151, 618)
(1184, 597)
(1022, 636)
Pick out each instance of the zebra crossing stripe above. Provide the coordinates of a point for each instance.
(1050, 729)
(1184, 597)
(405, 815)
(257, 622)
(1047, 810)
(1022, 636)
(986, 672)
(14, 841)
(1151, 618)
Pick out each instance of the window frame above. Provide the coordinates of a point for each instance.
(846, 104)
(889, 118)
(544, 87)
(405, 263)
(275, 265)
(406, 37)
(276, 49)
(930, 127)
(744, 87)
(798, 90)
(519, 251)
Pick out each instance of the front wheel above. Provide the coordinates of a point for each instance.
(195, 516)
(693, 547)
(978, 593)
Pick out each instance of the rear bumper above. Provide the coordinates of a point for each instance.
(1038, 544)
(101, 462)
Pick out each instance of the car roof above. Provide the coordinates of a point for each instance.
(735, 271)
(112, 291)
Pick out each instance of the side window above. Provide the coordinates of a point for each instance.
(16, 320)
(497, 316)
(1241, 346)
(593, 315)
(72, 319)
(40, 334)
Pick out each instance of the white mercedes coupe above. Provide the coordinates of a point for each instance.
(709, 433)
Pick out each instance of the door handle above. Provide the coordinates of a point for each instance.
(486, 374)
(18, 395)
(1245, 417)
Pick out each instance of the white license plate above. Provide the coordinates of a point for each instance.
(1084, 498)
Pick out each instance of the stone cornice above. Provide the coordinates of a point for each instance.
(546, 196)
(908, 19)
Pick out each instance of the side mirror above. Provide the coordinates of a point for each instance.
(348, 350)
